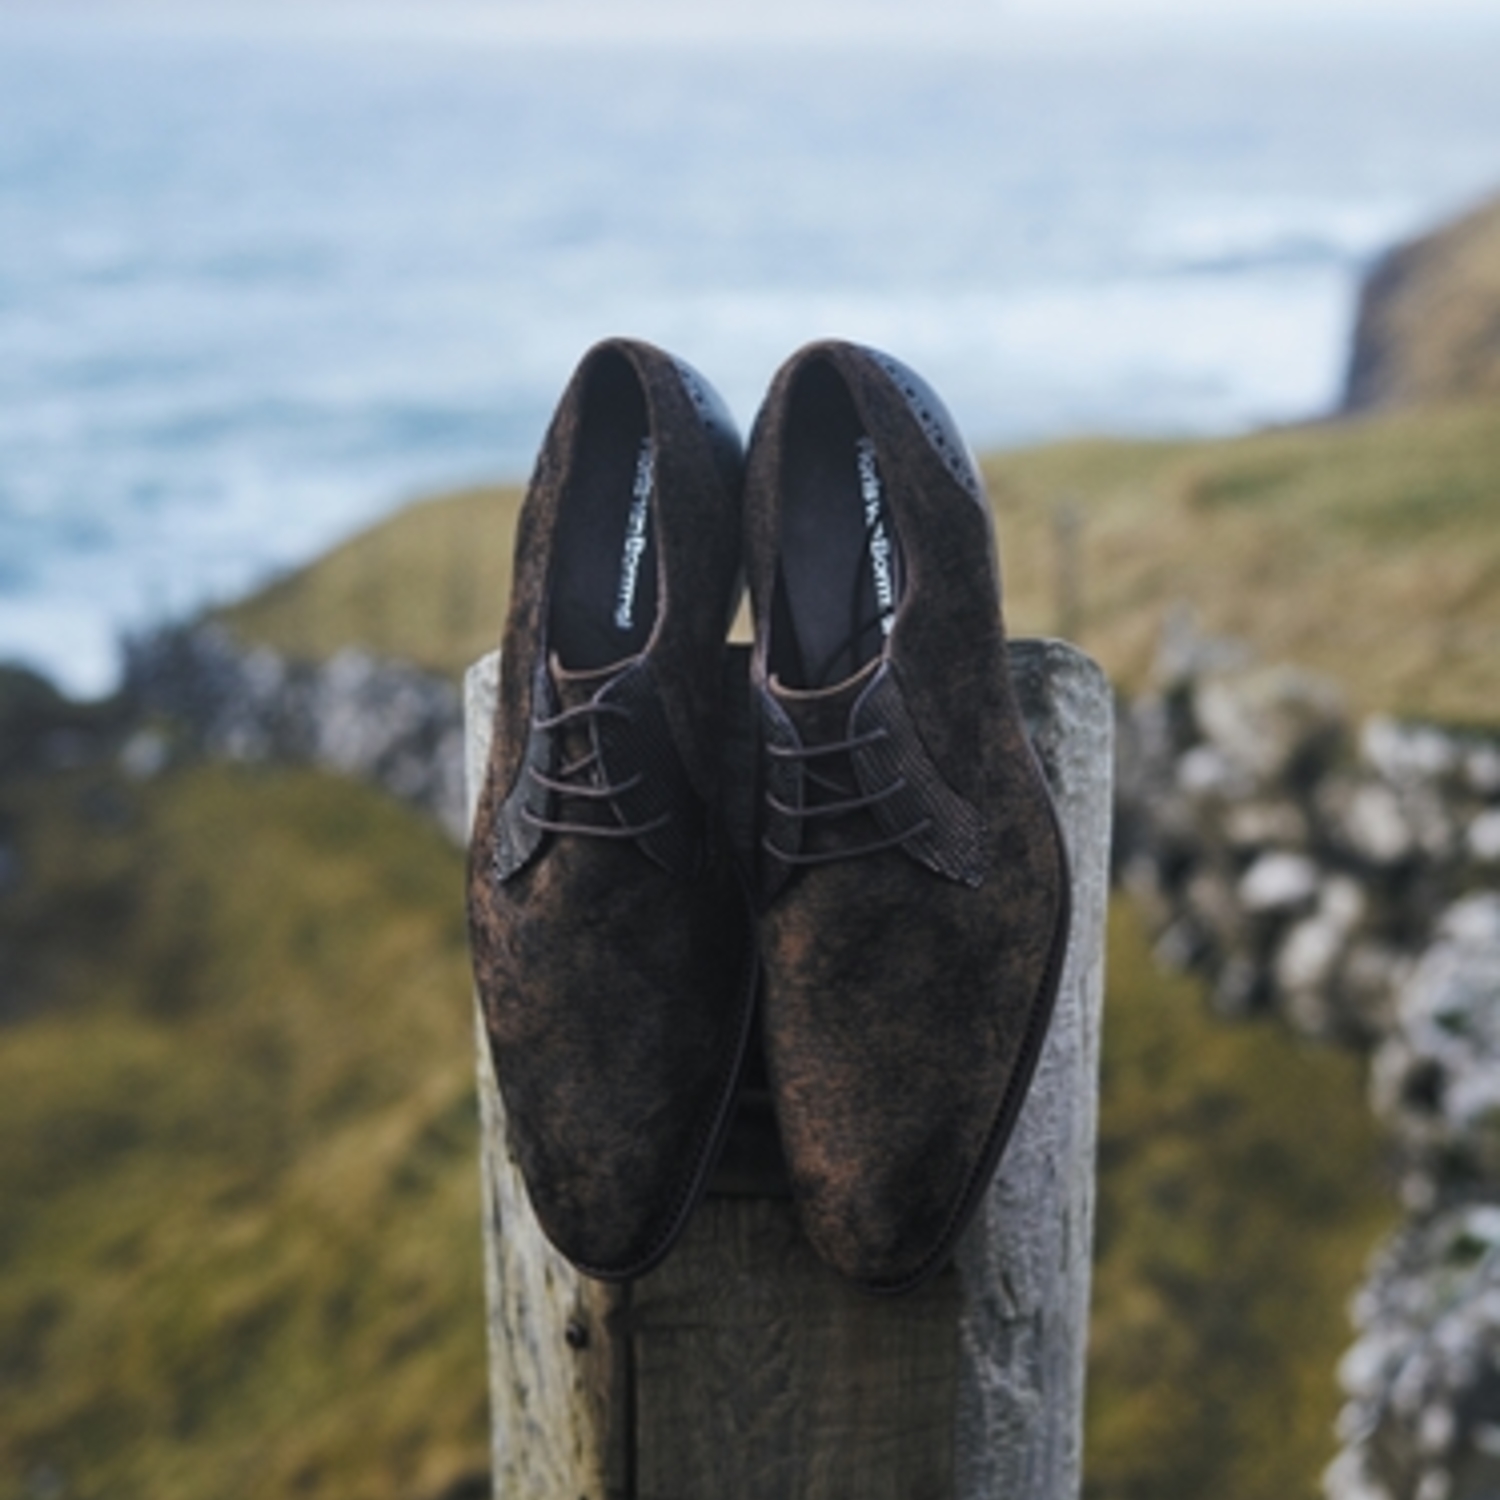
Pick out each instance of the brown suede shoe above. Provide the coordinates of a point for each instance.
(609, 928)
(913, 880)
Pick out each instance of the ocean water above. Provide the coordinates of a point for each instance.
(256, 291)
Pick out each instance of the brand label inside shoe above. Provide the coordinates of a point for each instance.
(637, 526)
(881, 548)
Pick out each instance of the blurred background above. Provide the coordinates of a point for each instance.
(287, 293)
(270, 271)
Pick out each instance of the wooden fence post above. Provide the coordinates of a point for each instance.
(741, 1369)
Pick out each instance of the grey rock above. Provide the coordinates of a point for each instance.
(1375, 825)
(1208, 771)
(1474, 922)
(1427, 813)
(1262, 823)
(1421, 1419)
(1483, 837)
(1388, 824)
(1279, 881)
(1310, 955)
(1372, 974)
(145, 754)
(1482, 768)
(1273, 721)
(1435, 1079)
(1406, 753)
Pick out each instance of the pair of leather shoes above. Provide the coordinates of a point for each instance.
(906, 909)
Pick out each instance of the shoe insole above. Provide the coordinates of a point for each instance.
(604, 567)
(840, 574)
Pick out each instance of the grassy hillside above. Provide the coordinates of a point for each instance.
(239, 1220)
(1367, 549)
(239, 1224)
(239, 1242)
(1240, 1191)
(430, 584)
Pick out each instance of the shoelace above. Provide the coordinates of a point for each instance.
(578, 778)
(849, 799)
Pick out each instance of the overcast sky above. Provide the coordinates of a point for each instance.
(941, 22)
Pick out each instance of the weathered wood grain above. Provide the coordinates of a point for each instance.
(1025, 1262)
(758, 1374)
(742, 1369)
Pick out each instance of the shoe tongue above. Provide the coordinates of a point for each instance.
(821, 715)
(574, 688)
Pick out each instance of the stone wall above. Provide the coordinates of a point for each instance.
(1346, 877)
(196, 690)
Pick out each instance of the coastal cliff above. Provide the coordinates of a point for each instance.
(1428, 326)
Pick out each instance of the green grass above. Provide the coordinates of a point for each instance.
(239, 1228)
(430, 584)
(1240, 1192)
(1369, 550)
